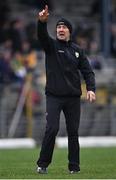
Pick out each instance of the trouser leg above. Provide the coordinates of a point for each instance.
(72, 115)
(53, 110)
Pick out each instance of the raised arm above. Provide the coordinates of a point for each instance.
(42, 33)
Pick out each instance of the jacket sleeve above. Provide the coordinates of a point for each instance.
(87, 72)
(45, 40)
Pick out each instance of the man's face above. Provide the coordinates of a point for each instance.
(63, 33)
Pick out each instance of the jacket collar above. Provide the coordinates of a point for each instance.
(65, 43)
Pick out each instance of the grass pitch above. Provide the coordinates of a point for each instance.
(96, 163)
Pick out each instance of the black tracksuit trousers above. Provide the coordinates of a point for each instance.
(71, 109)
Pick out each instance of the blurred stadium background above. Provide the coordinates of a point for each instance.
(22, 72)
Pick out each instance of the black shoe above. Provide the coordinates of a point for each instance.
(42, 170)
(75, 171)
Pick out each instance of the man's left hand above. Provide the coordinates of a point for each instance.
(91, 96)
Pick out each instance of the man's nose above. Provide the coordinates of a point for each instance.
(61, 29)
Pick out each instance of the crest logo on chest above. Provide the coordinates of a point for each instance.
(76, 54)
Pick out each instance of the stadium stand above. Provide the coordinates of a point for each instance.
(17, 63)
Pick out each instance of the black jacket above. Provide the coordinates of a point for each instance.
(64, 61)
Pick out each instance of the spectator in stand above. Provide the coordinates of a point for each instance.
(5, 69)
(93, 47)
(17, 33)
(94, 59)
(18, 68)
(82, 42)
(81, 36)
(32, 36)
(29, 56)
(7, 45)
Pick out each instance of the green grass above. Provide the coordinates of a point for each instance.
(96, 163)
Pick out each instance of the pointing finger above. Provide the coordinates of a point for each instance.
(46, 8)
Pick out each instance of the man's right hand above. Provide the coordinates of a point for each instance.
(43, 15)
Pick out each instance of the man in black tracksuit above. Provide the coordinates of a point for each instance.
(64, 60)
